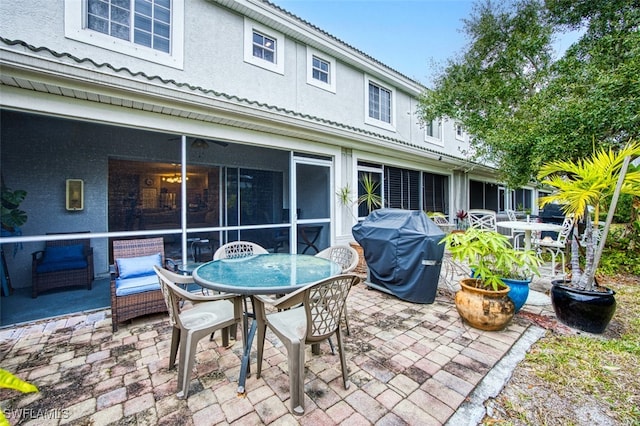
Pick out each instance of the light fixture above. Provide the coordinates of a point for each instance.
(176, 178)
(199, 144)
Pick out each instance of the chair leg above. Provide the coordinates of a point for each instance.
(175, 342)
(296, 377)
(346, 320)
(343, 360)
(185, 366)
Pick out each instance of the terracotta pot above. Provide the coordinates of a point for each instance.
(484, 309)
(362, 264)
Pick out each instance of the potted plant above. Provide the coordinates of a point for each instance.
(584, 187)
(461, 220)
(370, 198)
(486, 300)
(12, 218)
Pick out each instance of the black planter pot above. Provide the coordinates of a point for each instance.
(588, 311)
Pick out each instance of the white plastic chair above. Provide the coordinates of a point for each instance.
(207, 314)
(237, 249)
(483, 219)
(347, 258)
(296, 325)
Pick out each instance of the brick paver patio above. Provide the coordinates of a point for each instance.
(408, 364)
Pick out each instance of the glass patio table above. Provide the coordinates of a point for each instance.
(265, 274)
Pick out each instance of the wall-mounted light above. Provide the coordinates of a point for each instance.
(75, 194)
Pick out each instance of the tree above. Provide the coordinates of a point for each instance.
(523, 107)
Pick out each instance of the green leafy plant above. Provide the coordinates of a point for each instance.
(491, 256)
(11, 215)
(370, 197)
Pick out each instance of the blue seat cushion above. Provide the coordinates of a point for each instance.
(61, 265)
(127, 286)
(131, 267)
(63, 253)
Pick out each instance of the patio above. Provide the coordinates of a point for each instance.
(408, 364)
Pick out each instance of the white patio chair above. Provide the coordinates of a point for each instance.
(516, 235)
(483, 219)
(558, 246)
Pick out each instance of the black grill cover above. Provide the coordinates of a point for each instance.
(403, 252)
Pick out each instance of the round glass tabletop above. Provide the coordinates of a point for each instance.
(264, 274)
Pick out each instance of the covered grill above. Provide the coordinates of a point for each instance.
(403, 252)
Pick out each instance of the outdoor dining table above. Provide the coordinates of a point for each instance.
(265, 274)
(528, 228)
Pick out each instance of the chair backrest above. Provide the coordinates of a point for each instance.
(567, 227)
(237, 249)
(171, 292)
(439, 220)
(136, 248)
(323, 303)
(511, 215)
(345, 256)
(482, 219)
(85, 242)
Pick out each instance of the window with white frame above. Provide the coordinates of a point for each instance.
(147, 29)
(459, 132)
(380, 105)
(433, 132)
(321, 70)
(263, 47)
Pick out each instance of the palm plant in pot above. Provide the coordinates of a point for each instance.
(486, 300)
(584, 187)
(370, 198)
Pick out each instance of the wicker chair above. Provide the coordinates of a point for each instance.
(317, 319)
(63, 263)
(143, 297)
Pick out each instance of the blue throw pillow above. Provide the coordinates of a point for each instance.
(130, 267)
(64, 253)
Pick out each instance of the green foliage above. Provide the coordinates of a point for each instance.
(370, 198)
(491, 256)
(622, 251)
(11, 215)
(526, 109)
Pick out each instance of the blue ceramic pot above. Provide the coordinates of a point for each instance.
(519, 291)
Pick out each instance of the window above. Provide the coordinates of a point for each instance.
(321, 70)
(459, 132)
(401, 188)
(380, 105)
(147, 29)
(483, 195)
(147, 22)
(263, 47)
(435, 193)
(433, 132)
(521, 199)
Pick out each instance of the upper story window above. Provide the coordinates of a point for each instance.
(145, 22)
(433, 132)
(459, 132)
(263, 46)
(151, 30)
(321, 70)
(380, 105)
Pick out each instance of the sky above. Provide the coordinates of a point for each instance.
(410, 36)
